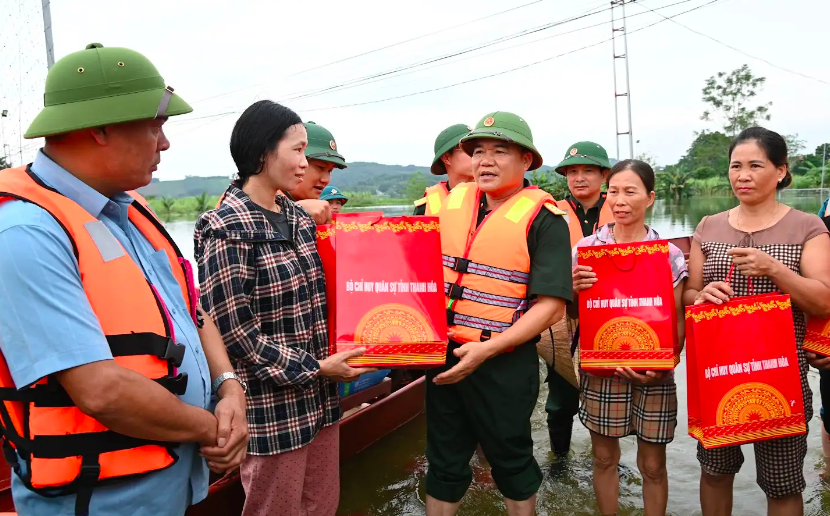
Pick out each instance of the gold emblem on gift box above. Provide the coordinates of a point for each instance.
(750, 402)
(626, 334)
(393, 323)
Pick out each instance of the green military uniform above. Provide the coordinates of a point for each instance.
(492, 406)
(444, 143)
(563, 398)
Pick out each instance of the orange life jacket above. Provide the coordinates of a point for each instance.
(574, 225)
(487, 268)
(433, 198)
(64, 450)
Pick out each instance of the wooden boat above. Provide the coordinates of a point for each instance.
(387, 411)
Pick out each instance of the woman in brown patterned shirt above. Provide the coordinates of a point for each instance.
(783, 250)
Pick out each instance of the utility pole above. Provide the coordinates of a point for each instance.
(618, 31)
(47, 32)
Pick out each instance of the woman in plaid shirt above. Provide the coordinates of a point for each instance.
(262, 282)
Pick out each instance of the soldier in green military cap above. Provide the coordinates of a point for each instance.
(79, 249)
(586, 166)
(334, 196)
(323, 157)
(449, 159)
(507, 271)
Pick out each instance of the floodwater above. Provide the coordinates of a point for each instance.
(388, 478)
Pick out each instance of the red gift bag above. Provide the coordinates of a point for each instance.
(628, 317)
(744, 383)
(384, 283)
(817, 339)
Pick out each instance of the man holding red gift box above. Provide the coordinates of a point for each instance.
(507, 278)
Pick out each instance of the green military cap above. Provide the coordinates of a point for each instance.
(331, 193)
(101, 86)
(321, 145)
(446, 141)
(501, 125)
(584, 153)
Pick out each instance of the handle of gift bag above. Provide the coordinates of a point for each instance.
(748, 280)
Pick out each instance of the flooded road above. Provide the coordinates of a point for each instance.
(388, 478)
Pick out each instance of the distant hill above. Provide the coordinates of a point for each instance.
(375, 178)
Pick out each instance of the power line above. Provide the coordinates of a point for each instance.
(384, 76)
(439, 88)
(502, 39)
(373, 51)
(442, 60)
(794, 72)
(504, 71)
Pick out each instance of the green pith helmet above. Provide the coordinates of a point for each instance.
(502, 125)
(331, 193)
(584, 153)
(445, 142)
(102, 86)
(321, 145)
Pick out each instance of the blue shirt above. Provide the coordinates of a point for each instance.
(47, 325)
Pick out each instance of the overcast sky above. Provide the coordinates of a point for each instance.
(221, 56)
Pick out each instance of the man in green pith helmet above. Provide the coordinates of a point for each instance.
(106, 314)
(449, 159)
(585, 166)
(506, 282)
(323, 158)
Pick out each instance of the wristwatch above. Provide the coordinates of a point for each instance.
(230, 375)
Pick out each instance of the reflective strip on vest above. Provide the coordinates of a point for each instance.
(488, 271)
(456, 197)
(488, 299)
(434, 200)
(480, 324)
(486, 265)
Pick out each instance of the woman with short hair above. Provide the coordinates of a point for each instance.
(262, 281)
(630, 403)
(782, 250)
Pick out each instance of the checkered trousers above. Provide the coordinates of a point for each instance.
(614, 407)
(780, 462)
(267, 295)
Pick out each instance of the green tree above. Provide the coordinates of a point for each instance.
(4, 163)
(709, 149)
(203, 203)
(551, 182)
(675, 182)
(729, 94)
(415, 186)
(167, 204)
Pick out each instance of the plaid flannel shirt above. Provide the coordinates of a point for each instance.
(267, 295)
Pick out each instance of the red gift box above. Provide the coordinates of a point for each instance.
(628, 317)
(744, 383)
(384, 284)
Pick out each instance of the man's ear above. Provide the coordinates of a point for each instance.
(99, 134)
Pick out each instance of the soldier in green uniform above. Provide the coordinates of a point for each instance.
(323, 157)
(451, 160)
(334, 196)
(487, 390)
(585, 166)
